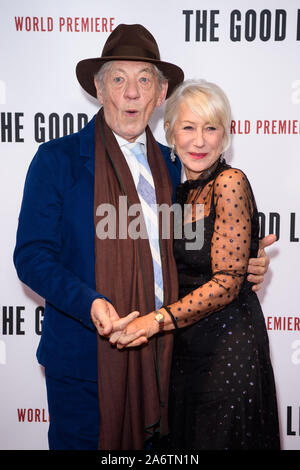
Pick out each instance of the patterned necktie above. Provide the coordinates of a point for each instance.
(146, 192)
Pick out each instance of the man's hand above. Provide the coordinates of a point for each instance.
(110, 325)
(257, 267)
(103, 315)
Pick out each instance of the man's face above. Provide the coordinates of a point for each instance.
(129, 97)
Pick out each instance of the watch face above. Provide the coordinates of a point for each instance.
(159, 317)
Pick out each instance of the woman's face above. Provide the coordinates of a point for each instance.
(198, 143)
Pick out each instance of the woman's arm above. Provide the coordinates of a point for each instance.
(230, 249)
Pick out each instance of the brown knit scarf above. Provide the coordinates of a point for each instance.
(134, 382)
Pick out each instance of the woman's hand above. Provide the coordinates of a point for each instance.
(136, 332)
(119, 329)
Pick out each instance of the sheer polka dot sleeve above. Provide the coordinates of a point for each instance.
(230, 249)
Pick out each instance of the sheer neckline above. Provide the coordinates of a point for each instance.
(205, 177)
(207, 174)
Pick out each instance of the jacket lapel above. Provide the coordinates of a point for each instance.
(87, 145)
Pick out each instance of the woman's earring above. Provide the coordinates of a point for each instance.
(172, 153)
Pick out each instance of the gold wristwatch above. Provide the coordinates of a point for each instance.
(159, 317)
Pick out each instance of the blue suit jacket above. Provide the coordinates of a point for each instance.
(54, 252)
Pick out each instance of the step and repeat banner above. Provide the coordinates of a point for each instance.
(252, 50)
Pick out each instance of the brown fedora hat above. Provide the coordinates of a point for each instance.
(128, 42)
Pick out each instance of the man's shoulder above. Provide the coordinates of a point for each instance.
(72, 141)
(174, 167)
(164, 149)
(65, 154)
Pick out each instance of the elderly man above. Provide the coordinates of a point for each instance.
(89, 281)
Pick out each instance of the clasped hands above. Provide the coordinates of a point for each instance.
(129, 331)
(133, 330)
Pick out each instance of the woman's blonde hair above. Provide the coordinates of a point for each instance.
(205, 99)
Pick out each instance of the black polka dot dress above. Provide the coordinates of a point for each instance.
(222, 393)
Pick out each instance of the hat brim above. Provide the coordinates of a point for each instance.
(87, 68)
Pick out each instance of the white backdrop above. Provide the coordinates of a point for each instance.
(253, 54)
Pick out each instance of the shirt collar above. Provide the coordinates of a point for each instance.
(142, 139)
